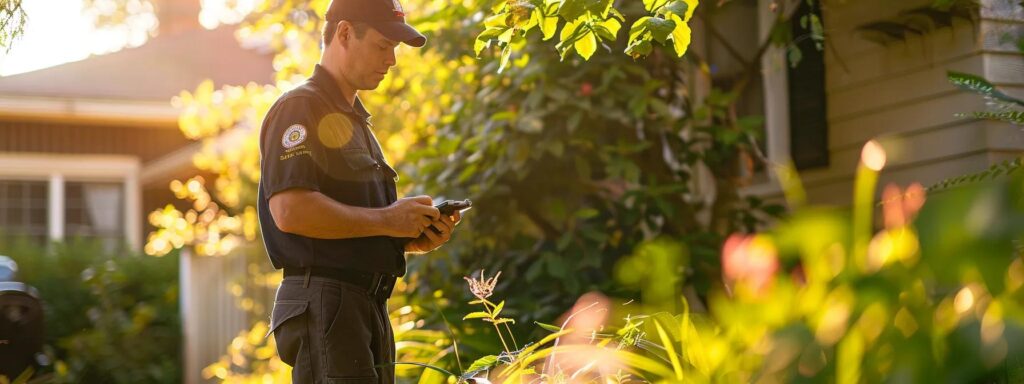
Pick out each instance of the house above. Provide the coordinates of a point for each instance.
(88, 149)
(881, 75)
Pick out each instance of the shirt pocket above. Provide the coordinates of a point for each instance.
(358, 165)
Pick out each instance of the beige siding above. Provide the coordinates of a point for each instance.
(898, 94)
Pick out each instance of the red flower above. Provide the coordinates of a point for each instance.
(586, 89)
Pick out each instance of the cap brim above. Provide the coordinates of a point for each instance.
(399, 31)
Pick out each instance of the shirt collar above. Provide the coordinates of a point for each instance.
(324, 80)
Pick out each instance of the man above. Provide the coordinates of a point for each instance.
(328, 207)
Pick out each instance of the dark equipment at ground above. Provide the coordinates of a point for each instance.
(21, 322)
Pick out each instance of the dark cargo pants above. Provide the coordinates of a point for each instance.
(332, 332)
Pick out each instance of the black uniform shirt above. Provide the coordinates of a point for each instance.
(313, 139)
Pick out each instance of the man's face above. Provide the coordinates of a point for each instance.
(366, 60)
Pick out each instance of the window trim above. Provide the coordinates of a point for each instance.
(58, 169)
(775, 80)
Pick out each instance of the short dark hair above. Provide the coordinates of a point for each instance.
(332, 27)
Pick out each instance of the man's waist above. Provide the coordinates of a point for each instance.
(375, 283)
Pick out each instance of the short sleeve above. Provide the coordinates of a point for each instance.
(292, 154)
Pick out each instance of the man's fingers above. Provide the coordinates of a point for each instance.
(434, 237)
(448, 224)
(442, 226)
(429, 211)
(424, 199)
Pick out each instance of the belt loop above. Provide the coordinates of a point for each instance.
(375, 285)
(305, 283)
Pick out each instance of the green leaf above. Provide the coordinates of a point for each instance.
(498, 6)
(660, 28)
(1012, 117)
(505, 54)
(586, 45)
(484, 39)
(477, 315)
(497, 21)
(480, 45)
(794, 55)
(497, 309)
(430, 376)
(670, 349)
(616, 14)
(569, 33)
(639, 26)
(483, 363)
(428, 366)
(639, 48)
(608, 29)
(678, 7)
(669, 323)
(979, 85)
(651, 5)
(691, 5)
(681, 37)
(570, 10)
(490, 33)
(548, 26)
(599, 7)
(587, 213)
(506, 36)
(548, 327)
(637, 362)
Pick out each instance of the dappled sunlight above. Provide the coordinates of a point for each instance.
(207, 227)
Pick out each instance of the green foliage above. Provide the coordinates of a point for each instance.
(110, 318)
(586, 25)
(12, 22)
(906, 305)
(1001, 103)
(1002, 169)
(1002, 110)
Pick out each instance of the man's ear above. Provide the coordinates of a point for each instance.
(343, 33)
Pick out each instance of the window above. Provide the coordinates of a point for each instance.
(94, 210)
(23, 210)
(808, 118)
(52, 197)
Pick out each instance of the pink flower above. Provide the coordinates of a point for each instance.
(749, 261)
(900, 206)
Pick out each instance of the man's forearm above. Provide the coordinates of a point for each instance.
(312, 214)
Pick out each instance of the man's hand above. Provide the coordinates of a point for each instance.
(438, 233)
(410, 216)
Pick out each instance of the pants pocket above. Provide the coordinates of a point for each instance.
(331, 302)
(349, 340)
(287, 323)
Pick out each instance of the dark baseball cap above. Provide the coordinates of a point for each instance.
(386, 16)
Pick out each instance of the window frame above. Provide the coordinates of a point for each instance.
(58, 169)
